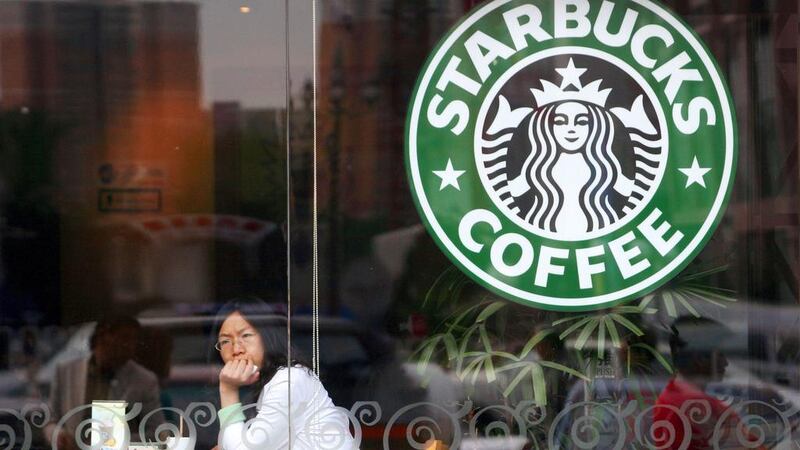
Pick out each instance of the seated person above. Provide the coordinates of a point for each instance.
(108, 373)
(256, 363)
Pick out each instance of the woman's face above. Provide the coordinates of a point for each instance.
(571, 126)
(238, 339)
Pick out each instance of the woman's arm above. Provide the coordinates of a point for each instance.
(235, 374)
(269, 429)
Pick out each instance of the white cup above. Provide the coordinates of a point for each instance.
(183, 443)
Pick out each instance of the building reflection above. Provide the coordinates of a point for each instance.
(110, 93)
(124, 189)
(119, 85)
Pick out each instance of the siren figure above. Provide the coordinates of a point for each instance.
(571, 182)
(572, 168)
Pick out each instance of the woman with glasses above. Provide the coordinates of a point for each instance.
(260, 388)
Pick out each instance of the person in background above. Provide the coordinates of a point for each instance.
(698, 361)
(108, 373)
(258, 373)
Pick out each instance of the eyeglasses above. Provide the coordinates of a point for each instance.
(245, 340)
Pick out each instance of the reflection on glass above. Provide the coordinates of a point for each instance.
(468, 360)
(143, 171)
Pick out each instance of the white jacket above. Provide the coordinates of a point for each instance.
(312, 422)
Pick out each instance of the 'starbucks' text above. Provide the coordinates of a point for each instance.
(571, 19)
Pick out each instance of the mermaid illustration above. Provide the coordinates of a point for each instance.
(572, 182)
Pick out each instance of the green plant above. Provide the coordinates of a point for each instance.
(604, 324)
(466, 340)
(467, 345)
(686, 290)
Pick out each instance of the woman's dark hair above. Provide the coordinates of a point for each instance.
(272, 327)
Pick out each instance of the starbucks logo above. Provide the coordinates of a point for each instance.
(571, 154)
(563, 177)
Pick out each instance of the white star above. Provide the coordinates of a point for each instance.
(695, 174)
(449, 176)
(571, 75)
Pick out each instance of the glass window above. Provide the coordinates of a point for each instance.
(399, 224)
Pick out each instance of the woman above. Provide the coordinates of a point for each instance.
(257, 370)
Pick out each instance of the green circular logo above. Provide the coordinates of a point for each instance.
(571, 154)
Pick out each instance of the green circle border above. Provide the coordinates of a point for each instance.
(643, 291)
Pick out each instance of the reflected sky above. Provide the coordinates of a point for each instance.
(243, 48)
(243, 54)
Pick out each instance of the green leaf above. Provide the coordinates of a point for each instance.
(592, 368)
(580, 358)
(527, 390)
(458, 284)
(702, 298)
(646, 301)
(490, 310)
(473, 365)
(420, 349)
(612, 331)
(462, 350)
(487, 344)
(568, 319)
(437, 286)
(705, 273)
(563, 368)
(709, 293)
(505, 355)
(663, 361)
(425, 382)
(533, 341)
(706, 287)
(461, 316)
(574, 327)
(670, 304)
(466, 337)
(512, 366)
(425, 358)
(686, 304)
(482, 362)
(629, 363)
(539, 387)
(601, 338)
(450, 346)
(511, 386)
(490, 374)
(634, 310)
(627, 324)
(627, 310)
(585, 333)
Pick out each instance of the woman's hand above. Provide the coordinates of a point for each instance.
(238, 372)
